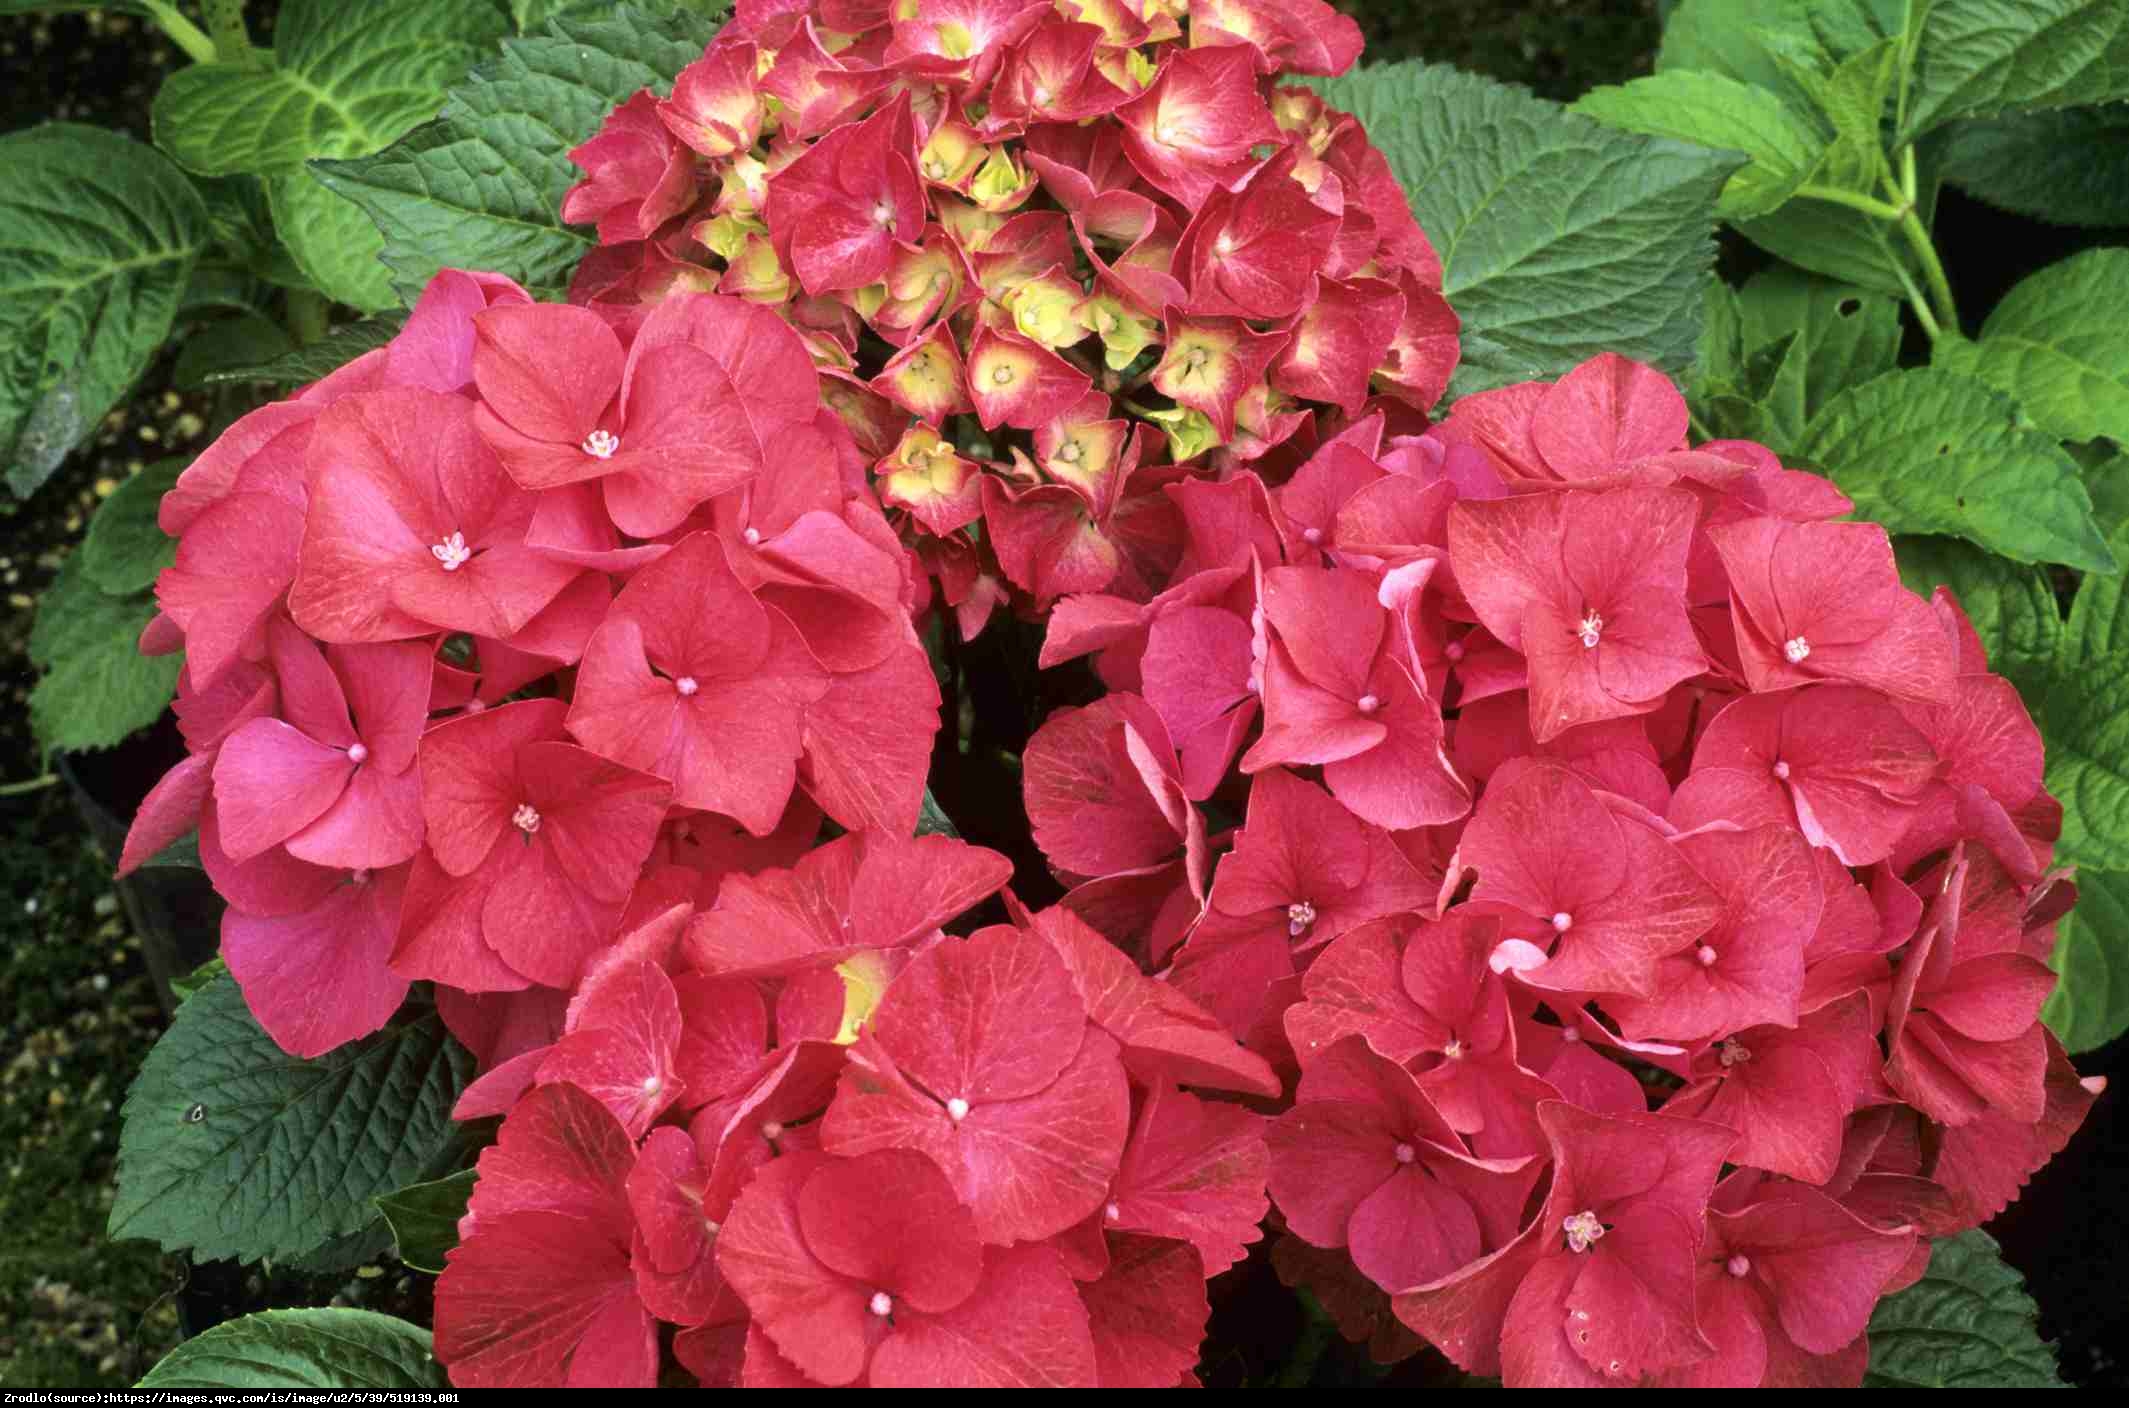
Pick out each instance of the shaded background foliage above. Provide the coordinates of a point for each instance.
(77, 1013)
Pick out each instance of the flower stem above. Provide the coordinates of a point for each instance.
(1854, 200)
(183, 32)
(1940, 288)
(34, 784)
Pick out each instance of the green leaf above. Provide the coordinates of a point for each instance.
(2058, 345)
(1927, 451)
(1968, 1323)
(1710, 110)
(200, 977)
(1978, 58)
(1844, 336)
(125, 549)
(1761, 41)
(2010, 604)
(97, 687)
(340, 251)
(2098, 625)
(321, 1349)
(181, 854)
(424, 1218)
(2090, 1004)
(1560, 238)
(2078, 704)
(321, 358)
(346, 80)
(482, 187)
(233, 1148)
(2065, 168)
(101, 236)
(226, 343)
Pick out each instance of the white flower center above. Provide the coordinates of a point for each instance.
(772, 1130)
(1797, 650)
(1583, 1231)
(356, 753)
(1312, 536)
(1298, 918)
(1113, 1213)
(601, 444)
(1590, 631)
(652, 1085)
(883, 215)
(1043, 95)
(1733, 1052)
(1781, 770)
(1562, 922)
(957, 1109)
(1404, 1153)
(687, 686)
(1739, 1265)
(1225, 244)
(1454, 1051)
(1002, 377)
(358, 877)
(452, 552)
(1368, 704)
(526, 818)
(1705, 956)
(752, 536)
(882, 1304)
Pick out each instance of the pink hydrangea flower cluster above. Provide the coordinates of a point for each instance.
(1051, 258)
(527, 656)
(1646, 896)
(1560, 867)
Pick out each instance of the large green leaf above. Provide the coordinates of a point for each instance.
(482, 187)
(1844, 336)
(101, 234)
(1560, 237)
(2011, 604)
(1927, 451)
(321, 358)
(96, 687)
(231, 1147)
(424, 1218)
(2078, 704)
(1762, 42)
(2090, 1004)
(2066, 168)
(321, 1349)
(1711, 110)
(2098, 625)
(346, 80)
(125, 549)
(1968, 1323)
(2058, 345)
(1978, 58)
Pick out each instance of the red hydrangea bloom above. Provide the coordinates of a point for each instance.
(533, 845)
(1600, 1287)
(980, 1056)
(694, 680)
(868, 1269)
(539, 1289)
